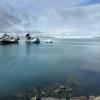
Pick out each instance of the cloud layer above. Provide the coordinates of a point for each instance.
(50, 15)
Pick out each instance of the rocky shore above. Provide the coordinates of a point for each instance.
(71, 89)
(59, 93)
(26, 97)
(73, 98)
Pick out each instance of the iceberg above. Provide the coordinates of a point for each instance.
(8, 39)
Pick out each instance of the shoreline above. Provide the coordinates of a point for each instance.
(56, 92)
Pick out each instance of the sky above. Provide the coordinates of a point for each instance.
(81, 16)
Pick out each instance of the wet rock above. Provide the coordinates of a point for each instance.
(43, 92)
(33, 98)
(69, 89)
(51, 98)
(62, 87)
(74, 98)
(79, 98)
(91, 97)
(58, 90)
(83, 98)
(62, 91)
(97, 98)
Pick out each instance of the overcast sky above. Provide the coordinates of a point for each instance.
(50, 15)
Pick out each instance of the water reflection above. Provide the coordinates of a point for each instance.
(23, 65)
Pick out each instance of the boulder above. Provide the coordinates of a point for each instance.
(91, 97)
(97, 98)
(33, 98)
(83, 98)
(79, 98)
(51, 98)
(74, 98)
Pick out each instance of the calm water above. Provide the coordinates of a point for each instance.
(23, 65)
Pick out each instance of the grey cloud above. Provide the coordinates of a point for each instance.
(81, 18)
(7, 19)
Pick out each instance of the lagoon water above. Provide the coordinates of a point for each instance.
(24, 65)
